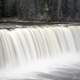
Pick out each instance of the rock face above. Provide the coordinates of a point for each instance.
(41, 9)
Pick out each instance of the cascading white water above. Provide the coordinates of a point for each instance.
(22, 46)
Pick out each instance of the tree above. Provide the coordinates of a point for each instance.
(1, 8)
(77, 9)
(25, 9)
(53, 9)
(59, 10)
(9, 8)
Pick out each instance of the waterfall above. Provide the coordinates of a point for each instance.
(22, 46)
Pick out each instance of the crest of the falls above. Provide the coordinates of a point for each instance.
(24, 45)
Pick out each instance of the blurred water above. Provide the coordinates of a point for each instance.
(39, 53)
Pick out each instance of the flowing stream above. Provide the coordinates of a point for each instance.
(23, 50)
